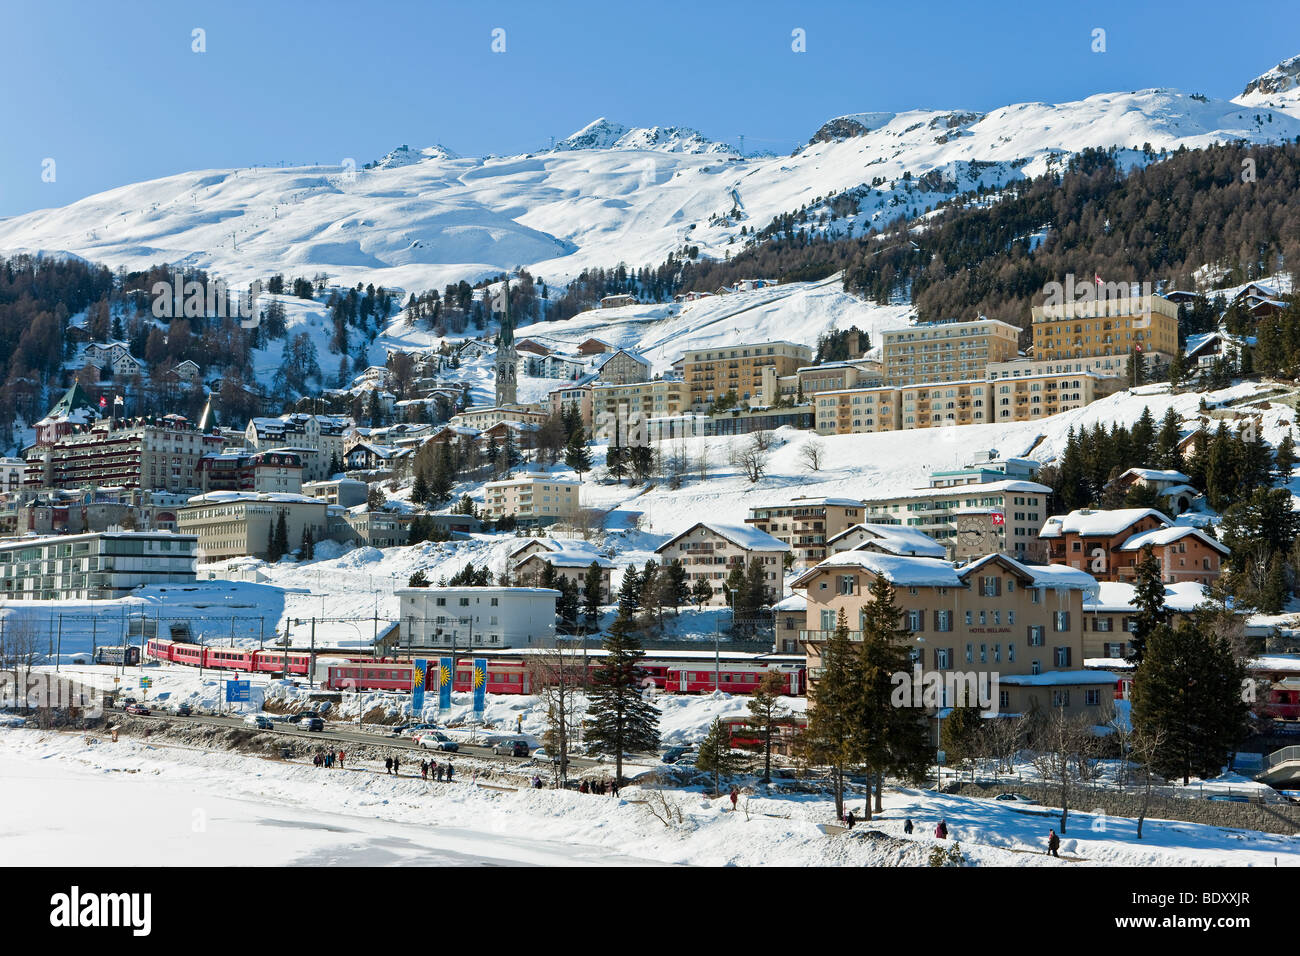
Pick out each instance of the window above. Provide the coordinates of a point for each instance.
(1061, 619)
(970, 653)
(846, 584)
(1061, 656)
(1035, 635)
(916, 620)
(1101, 624)
(1092, 697)
(1004, 700)
(942, 658)
(1011, 652)
(943, 620)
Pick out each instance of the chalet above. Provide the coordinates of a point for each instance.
(1108, 544)
(887, 539)
(710, 550)
(569, 561)
(1171, 486)
(187, 371)
(616, 301)
(623, 367)
(594, 346)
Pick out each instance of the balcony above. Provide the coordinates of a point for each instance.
(822, 636)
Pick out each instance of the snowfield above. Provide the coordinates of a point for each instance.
(170, 805)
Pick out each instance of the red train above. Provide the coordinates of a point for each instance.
(228, 658)
(509, 674)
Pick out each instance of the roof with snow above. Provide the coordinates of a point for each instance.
(1089, 523)
(1156, 474)
(899, 570)
(1162, 536)
(1118, 597)
(1057, 576)
(795, 602)
(896, 539)
(981, 488)
(742, 535)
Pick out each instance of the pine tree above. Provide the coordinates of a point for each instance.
(281, 537)
(592, 588)
(833, 703)
(767, 714)
(1188, 688)
(620, 719)
(1284, 460)
(701, 592)
(675, 589)
(566, 606)
(1143, 438)
(271, 556)
(1149, 599)
(576, 455)
(716, 756)
(1166, 449)
(891, 736)
(629, 593)
(420, 490)
(308, 547)
(616, 462)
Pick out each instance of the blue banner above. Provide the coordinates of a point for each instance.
(418, 676)
(444, 683)
(480, 685)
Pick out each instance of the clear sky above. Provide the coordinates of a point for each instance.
(114, 93)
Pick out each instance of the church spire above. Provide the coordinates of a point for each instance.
(507, 360)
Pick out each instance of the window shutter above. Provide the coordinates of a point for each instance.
(997, 586)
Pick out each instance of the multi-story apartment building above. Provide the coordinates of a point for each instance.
(134, 453)
(939, 405)
(934, 511)
(1109, 615)
(1111, 370)
(278, 472)
(1024, 399)
(1108, 545)
(712, 373)
(854, 411)
(573, 396)
(320, 438)
(657, 399)
(1107, 325)
(12, 471)
(99, 566)
(710, 550)
(344, 492)
(806, 524)
(622, 367)
(1020, 624)
(531, 499)
(569, 561)
(812, 380)
(232, 524)
(447, 618)
(378, 528)
(484, 417)
(947, 351)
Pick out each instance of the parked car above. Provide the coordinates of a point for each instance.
(184, 710)
(128, 700)
(674, 754)
(140, 710)
(414, 730)
(1013, 798)
(513, 748)
(311, 722)
(295, 718)
(260, 721)
(432, 740)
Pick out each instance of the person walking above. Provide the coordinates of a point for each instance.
(341, 755)
(941, 831)
(907, 826)
(735, 795)
(849, 819)
(1053, 843)
(450, 770)
(388, 765)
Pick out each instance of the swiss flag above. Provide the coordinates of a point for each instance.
(999, 518)
(103, 402)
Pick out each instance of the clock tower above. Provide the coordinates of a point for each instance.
(507, 359)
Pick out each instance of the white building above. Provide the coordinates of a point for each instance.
(710, 550)
(445, 618)
(99, 566)
(322, 434)
(11, 474)
(531, 498)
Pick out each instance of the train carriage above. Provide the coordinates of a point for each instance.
(230, 658)
(158, 649)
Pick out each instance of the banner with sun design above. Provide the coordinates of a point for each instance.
(417, 686)
(480, 685)
(444, 683)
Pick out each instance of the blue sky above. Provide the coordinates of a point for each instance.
(114, 93)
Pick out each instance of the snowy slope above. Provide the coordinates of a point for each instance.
(421, 218)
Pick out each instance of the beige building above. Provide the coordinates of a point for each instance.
(710, 550)
(658, 399)
(812, 380)
(934, 511)
(1111, 324)
(1111, 370)
(857, 410)
(485, 416)
(622, 367)
(711, 373)
(232, 524)
(378, 528)
(578, 396)
(806, 524)
(321, 435)
(162, 455)
(1021, 626)
(947, 351)
(531, 499)
(1024, 399)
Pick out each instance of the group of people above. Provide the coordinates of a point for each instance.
(600, 787)
(432, 770)
(327, 759)
(941, 833)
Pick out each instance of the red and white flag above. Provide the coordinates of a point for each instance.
(103, 402)
(1097, 278)
(999, 518)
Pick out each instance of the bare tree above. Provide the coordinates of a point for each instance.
(557, 678)
(750, 457)
(703, 461)
(763, 440)
(1144, 746)
(812, 453)
(1004, 737)
(1062, 745)
(587, 522)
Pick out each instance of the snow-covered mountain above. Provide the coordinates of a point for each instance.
(417, 219)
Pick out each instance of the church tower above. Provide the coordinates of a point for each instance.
(507, 381)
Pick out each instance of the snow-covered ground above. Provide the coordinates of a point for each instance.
(74, 799)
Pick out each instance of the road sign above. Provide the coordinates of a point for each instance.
(146, 681)
(238, 691)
